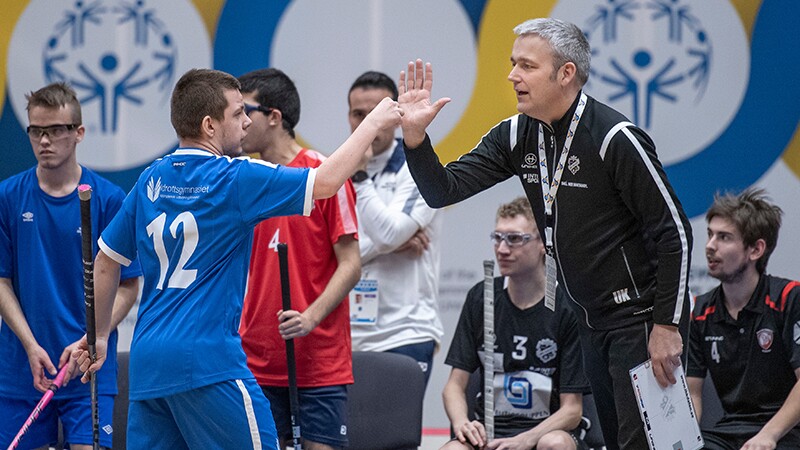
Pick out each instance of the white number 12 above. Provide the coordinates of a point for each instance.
(181, 278)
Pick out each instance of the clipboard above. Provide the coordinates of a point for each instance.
(670, 422)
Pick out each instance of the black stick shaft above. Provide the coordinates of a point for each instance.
(286, 297)
(87, 250)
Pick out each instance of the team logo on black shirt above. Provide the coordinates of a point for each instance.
(546, 350)
(764, 337)
(574, 164)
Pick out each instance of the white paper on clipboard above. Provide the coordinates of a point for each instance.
(669, 419)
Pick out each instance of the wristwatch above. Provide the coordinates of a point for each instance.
(359, 176)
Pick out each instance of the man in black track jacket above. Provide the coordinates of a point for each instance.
(616, 231)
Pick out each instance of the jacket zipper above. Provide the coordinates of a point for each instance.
(558, 262)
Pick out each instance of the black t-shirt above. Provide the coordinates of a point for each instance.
(752, 358)
(537, 356)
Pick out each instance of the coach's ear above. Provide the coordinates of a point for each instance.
(567, 73)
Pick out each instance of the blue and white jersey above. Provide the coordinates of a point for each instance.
(189, 219)
(40, 251)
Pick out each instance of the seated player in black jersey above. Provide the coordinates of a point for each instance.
(538, 373)
(746, 331)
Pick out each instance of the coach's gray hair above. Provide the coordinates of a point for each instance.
(567, 41)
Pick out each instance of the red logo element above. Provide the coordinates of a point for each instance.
(764, 339)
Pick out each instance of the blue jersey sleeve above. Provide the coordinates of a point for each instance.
(266, 190)
(111, 203)
(6, 269)
(118, 240)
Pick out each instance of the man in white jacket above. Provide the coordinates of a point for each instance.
(394, 306)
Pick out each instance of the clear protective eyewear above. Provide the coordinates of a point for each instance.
(56, 131)
(513, 239)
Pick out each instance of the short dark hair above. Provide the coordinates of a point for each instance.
(753, 215)
(199, 93)
(374, 80)
(56, 95)
(274, 89)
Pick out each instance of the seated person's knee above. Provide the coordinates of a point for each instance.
(556, 440)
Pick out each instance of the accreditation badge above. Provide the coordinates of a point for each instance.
(364, 303)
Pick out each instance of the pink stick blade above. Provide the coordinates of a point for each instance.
(40, 406)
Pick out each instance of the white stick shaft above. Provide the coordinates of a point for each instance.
(488, 348)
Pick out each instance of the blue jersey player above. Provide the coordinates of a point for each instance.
(41, 280)
(190, 221)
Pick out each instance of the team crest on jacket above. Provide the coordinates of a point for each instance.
(574, 164)
(764, 337)
(797, 332)
(546, 350)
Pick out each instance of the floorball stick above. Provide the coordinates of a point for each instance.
(294, 401)
(488, 348)
(87, 250)
(51, 391)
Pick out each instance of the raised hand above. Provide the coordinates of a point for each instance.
(415, 100)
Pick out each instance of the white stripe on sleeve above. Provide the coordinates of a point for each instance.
(662, 188)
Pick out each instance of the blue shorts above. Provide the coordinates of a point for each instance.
(422, 353)
(323, 413)
(225, 415)
(75, 415)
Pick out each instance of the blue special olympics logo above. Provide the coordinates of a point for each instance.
(715, 115)
(518, 391)
(122, 58)
(683, 64)
(666, 65)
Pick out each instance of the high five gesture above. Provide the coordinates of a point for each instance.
(415, 101)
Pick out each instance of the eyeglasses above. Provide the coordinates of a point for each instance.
(248, 108)
(57, 131)
(514, 239)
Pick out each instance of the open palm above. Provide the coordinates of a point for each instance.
(415, 101)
